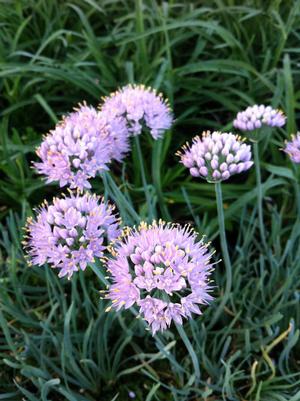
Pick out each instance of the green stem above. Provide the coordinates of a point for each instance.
(297, 197)
(297, 189)
(144, 181)
(156, 175)
(259, 195)
(190, 350)
(225, 253)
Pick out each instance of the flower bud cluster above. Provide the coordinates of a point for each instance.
(254, 117)
(216, 156)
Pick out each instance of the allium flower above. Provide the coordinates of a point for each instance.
(140, 107)
(71, 232)
(163, 269)
(80, 146)
(292, 148)
(216, 156)
(255, 116)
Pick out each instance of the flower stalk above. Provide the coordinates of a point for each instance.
(190, 350)
(151, 212)
(225, 253)
(259, 195)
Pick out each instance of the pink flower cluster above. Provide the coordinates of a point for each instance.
(163, 269)
(256, 116)
(216, 156)
(71, 232)
(86, 141)
(80, 146)
(139, 107)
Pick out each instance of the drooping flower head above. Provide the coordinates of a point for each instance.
(80, 146)
(69, 233)
(216, 156)
(163, 269)
(256, 116)
(292, 148)
(140, 107)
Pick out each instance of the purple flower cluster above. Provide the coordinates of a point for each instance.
(216, 156)
(163, 269)
(292, 148)
(255, 116)
(71, 232)
(139, 107)
(80, 146)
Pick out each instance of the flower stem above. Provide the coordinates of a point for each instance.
(225, 253)
(259, 195)
(156, 175)
(190, 350)
(297, 189)
(144, 181)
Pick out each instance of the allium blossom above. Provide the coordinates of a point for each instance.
(80, 146)
(140, 107)
(216, 156)
(256, 116)
(69, 233)
(292, 148)
(163, 269)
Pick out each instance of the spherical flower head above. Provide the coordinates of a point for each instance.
(254, 117)
(292, 148)
(140, 107)
(163, 269)
(216, 156)
(71, 232)
(80, 146)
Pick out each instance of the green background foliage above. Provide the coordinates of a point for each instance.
(211, 58)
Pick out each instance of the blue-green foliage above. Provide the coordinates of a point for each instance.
(211, 58)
